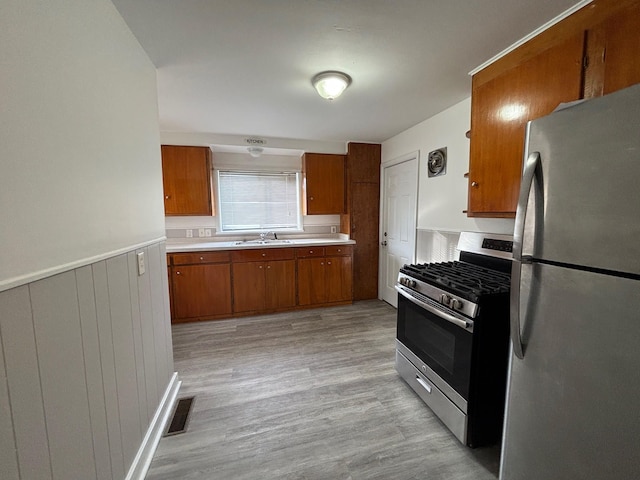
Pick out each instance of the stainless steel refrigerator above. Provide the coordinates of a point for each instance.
(573, 395)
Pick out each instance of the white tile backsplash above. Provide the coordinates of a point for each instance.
(176, 227)
(436, 246)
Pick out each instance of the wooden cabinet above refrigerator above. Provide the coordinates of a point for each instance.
(592, 52)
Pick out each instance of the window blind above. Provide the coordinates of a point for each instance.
(258, 201)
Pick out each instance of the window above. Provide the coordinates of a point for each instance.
(258, 201)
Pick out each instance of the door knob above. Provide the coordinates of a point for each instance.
(475, 184)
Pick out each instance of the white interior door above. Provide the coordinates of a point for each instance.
(398, 226)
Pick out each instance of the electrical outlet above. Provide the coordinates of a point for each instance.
(207, 232)
(201, 232)
(189, 233)
(141, 267)
(333, 229)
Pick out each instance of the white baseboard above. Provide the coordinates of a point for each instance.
(143, 458)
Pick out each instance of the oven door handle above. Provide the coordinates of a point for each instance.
(466, 324)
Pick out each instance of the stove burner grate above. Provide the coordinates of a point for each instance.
(465, 279)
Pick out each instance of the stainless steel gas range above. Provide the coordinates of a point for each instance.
(453, 335)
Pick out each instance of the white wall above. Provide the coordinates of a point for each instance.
(442, 199)
(80, 170)
(86, 356)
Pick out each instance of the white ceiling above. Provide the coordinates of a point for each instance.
(244, 67)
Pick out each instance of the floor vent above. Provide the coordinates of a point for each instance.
(180, 416)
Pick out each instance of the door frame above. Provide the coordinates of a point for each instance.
(407, 157)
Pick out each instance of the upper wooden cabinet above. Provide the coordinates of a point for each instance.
(363, 162)
(590, 53)
(613, 51)
(186, 177)
(500, 110)
(324, 183)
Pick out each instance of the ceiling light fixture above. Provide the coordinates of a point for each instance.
(331, 84)
(255, 152)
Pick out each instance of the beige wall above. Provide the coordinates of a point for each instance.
(80, 172)
(86, 358)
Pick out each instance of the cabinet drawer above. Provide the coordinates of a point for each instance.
(302, 252)
(200, 257)
(338, 250)
(262, 254)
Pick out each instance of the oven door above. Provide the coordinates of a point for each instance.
(439, 337)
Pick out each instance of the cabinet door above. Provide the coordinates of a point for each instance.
(365, 218)
(614, 49)
(363, 162)
(201, 290)
(324, 183)
(186, 177)
(339, 279)
(280, 287)
(248, 286)
(500, 109)
(311, 283)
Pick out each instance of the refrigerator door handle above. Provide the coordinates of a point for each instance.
(531, 169)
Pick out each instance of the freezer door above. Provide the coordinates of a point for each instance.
(587, 210)
(572, 408)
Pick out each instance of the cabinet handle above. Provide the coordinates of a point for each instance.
(268, 266)
(339, 250)
(310, 251)
(310, 198)
(475, 184)
(167, 197)
(264, 254)
(328, 263)
(260, 267)
(177, 273)
(201, 258)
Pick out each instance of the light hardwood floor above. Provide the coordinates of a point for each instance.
(307, 395)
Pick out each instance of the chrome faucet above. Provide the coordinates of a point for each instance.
(264, 235)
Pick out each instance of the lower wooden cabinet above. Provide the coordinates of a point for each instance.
(325, 275)
(264, 286)
(280, 284)
(263, 279)
(199, 291)
(223, 284)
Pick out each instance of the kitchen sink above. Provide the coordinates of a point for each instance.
(264, 242)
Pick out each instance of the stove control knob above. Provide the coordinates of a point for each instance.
(403, 281)
(455, 304)
(411, 283)
(445, 299)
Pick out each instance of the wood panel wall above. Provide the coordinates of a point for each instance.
(85, 359)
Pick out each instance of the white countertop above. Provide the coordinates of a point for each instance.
(178, 245)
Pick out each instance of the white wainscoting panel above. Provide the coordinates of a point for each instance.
(107, 360)
(23, 380)
(85, 360)
(93, 367)
(157, 271)
(8, 457)
(137, 335)
(54, 303)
